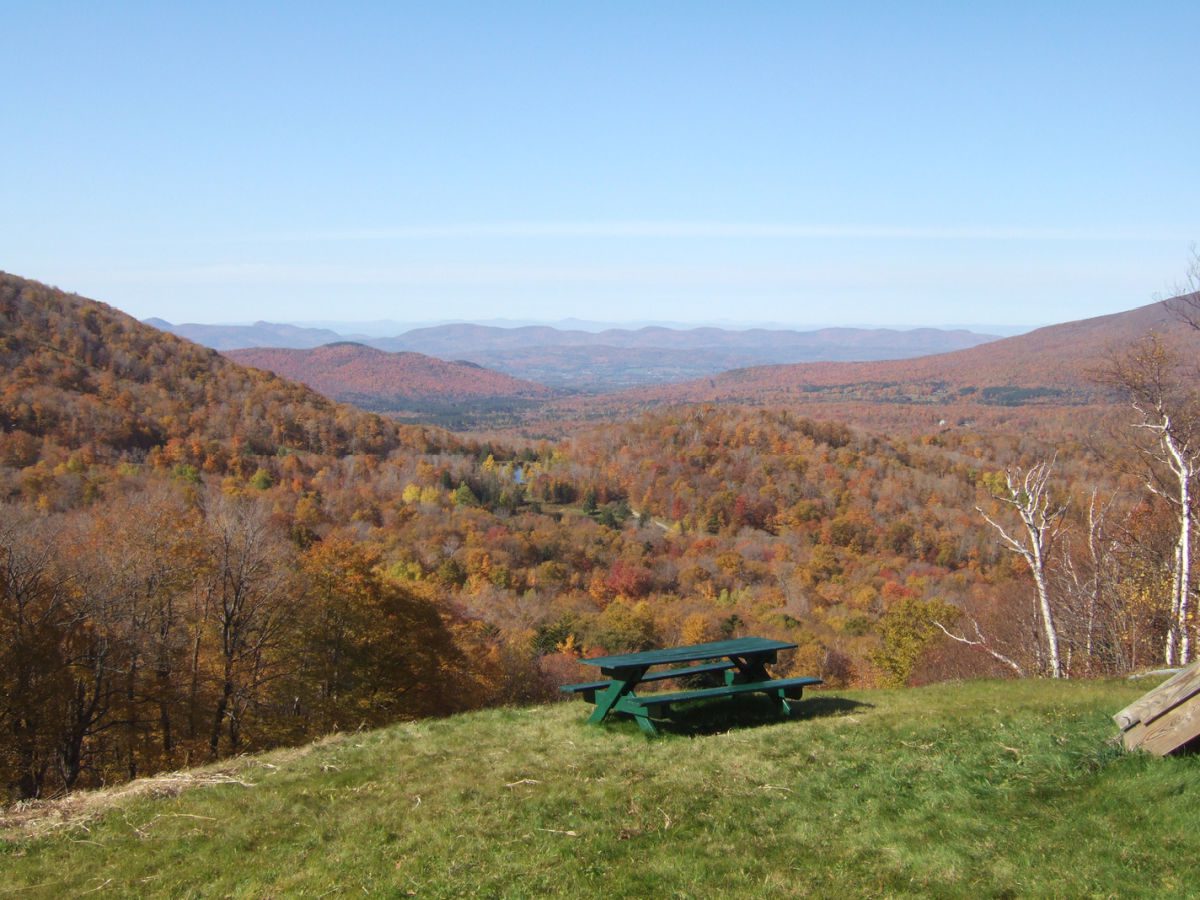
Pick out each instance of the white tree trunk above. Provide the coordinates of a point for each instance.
(1161, 385)
(1029, 495)
(1038, 566)
(1183, 554)
(1183, 464)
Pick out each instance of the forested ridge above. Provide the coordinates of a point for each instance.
(80, 375)
(389, 380)
(1049, 375)
(403, 384)
(198, 558)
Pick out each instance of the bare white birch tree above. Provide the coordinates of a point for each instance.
(1149, 374)
(1089, 604)
(1179, 447)
(1028, 494)
(1182, 461)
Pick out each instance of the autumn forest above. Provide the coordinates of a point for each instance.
(198, 558)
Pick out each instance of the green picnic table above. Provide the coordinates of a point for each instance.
(742, 662)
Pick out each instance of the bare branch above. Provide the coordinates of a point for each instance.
(1010, 542)
(981, 644)
(1186, 304)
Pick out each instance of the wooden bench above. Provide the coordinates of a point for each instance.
(656, 705)
(589, 688)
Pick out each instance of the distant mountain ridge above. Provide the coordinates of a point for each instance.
(482, 338)
(612, 359)
(237, 337)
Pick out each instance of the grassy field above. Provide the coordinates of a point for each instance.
(977, 789)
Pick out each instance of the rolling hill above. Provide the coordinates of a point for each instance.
(397, 382)
(1052, 365)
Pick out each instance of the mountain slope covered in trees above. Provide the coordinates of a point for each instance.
(80, 375)
(168, 573)
(1055, 364)
(400, 382)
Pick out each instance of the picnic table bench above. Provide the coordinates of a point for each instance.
(742, 661)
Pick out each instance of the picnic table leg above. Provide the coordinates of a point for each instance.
(642, 717)
(749, 668)
(781, 703)
(606, 700)
(754, 668)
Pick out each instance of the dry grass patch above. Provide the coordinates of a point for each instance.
(39, 818)
(31, 819)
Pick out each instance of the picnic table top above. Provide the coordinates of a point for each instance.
(690, 653)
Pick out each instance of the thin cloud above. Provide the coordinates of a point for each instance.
(824, 276)
(718, 230)
(462, 275)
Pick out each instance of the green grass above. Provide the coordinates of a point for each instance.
(983, 789)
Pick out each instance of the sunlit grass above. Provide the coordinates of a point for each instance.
(987, 789)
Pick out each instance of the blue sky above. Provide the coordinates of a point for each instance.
(850, 163)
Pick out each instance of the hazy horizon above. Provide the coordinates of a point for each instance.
(391, 327)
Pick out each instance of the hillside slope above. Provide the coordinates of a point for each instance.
(360, 374)
(81, 374)
(980, 789)
(1057, 358)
